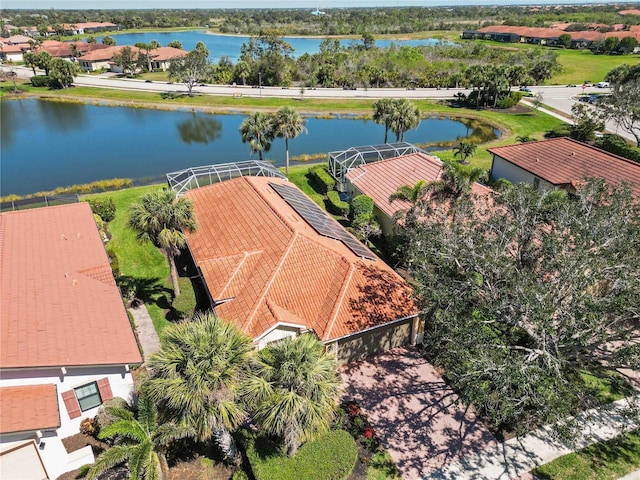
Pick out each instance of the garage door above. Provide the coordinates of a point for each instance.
(22, 463)
(374, 341)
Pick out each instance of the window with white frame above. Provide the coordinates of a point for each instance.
(88, 396)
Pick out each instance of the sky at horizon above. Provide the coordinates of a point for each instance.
(312, 4)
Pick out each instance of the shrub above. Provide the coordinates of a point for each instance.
(563, 130)
(617, 145)
(103, 419)
(361, 205)
(239, 475)
(113, 260)
(323, 182)
(40, 81)
(510, 100)
(335, 205)
(105, 207)
(100, 225)
(331, 456)
(184, 304)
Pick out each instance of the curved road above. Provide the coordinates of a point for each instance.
(559, 98)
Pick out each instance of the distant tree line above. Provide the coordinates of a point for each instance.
(347, 21)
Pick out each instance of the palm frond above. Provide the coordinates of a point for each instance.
(110, 458)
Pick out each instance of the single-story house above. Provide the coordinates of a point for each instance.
(66, 344)
(65, 49)
(278, 265)
(97, 59)
(160, 57)
(88, 27)
(10, 52)
(379, 180)
(561, 163)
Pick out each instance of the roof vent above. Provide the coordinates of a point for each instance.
(573, 154)
(537, 160)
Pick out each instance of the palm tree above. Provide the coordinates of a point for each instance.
(406, 116)
(288, 124)
(464, 150)
(414, 194)
(383, 114)
(144, 442)
(257, 129)
(196, 377)
(161, 218)
(294, 387)
(455, 181)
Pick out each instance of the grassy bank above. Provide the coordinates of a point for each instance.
(602, 461)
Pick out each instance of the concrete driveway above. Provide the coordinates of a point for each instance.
(418, 417)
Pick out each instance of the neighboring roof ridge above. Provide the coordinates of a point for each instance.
(245, 255)
(338, 304)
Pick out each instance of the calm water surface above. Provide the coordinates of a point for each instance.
(49, 144)
(228, 45)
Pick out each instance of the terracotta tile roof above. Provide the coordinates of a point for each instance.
(563, 161)
(252, 246)
(549, 33)
(60, 304)
(379, 180)
(17, 39)
(163, 54)
(630, 12)
(13, 48)
(26, 408)
(105, 53)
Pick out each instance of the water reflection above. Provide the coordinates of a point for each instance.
(200, 129)
(62, 116)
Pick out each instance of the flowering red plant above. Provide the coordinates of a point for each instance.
(369, 432)
(353, 409)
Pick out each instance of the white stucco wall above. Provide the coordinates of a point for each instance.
(501, 168)
(54, 456)
(279, 333)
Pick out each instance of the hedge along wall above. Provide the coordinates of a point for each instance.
(331, 456)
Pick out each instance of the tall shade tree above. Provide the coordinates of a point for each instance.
(142, 442)
(146, 48)
(383, 111)
(189, 69)
(405, 117)
(196, 377)
(521, 299)
(258, 131)
(293, 387)
(161, 218)
(62, 72)
(623, 106)
(288, 124)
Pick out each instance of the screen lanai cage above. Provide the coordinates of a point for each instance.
(341, 162)
(194, 177)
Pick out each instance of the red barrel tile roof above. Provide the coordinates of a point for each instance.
(379, 180)
(60, 303)
(251, 246)
(26, 408)
(563, 161)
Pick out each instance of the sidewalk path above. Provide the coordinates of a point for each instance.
(147, 335)
(516, 457)
(632, 476)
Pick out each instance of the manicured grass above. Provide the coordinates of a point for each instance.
(331, 456)
(581, 65)
(299, 176)
(602, 461)
(608, 386)
(141, 261)
(382, 468)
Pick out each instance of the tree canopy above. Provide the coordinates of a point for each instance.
(525, 293)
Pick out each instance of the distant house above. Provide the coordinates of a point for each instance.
(278, 265)
(88, 27)
(561, 163)
(66, 343)
(13, 52)
(101, 58)
(66, 50)
(379, 180)
(160, 57)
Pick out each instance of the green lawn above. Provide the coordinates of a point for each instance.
(602, 461)
(142, 262)
(581, 65)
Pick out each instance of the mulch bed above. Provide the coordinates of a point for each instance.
(80, 440)
(196, 469)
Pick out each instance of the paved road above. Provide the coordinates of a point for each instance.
(560, 98)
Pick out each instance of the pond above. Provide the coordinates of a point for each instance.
(47, 144)
(229, 45)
